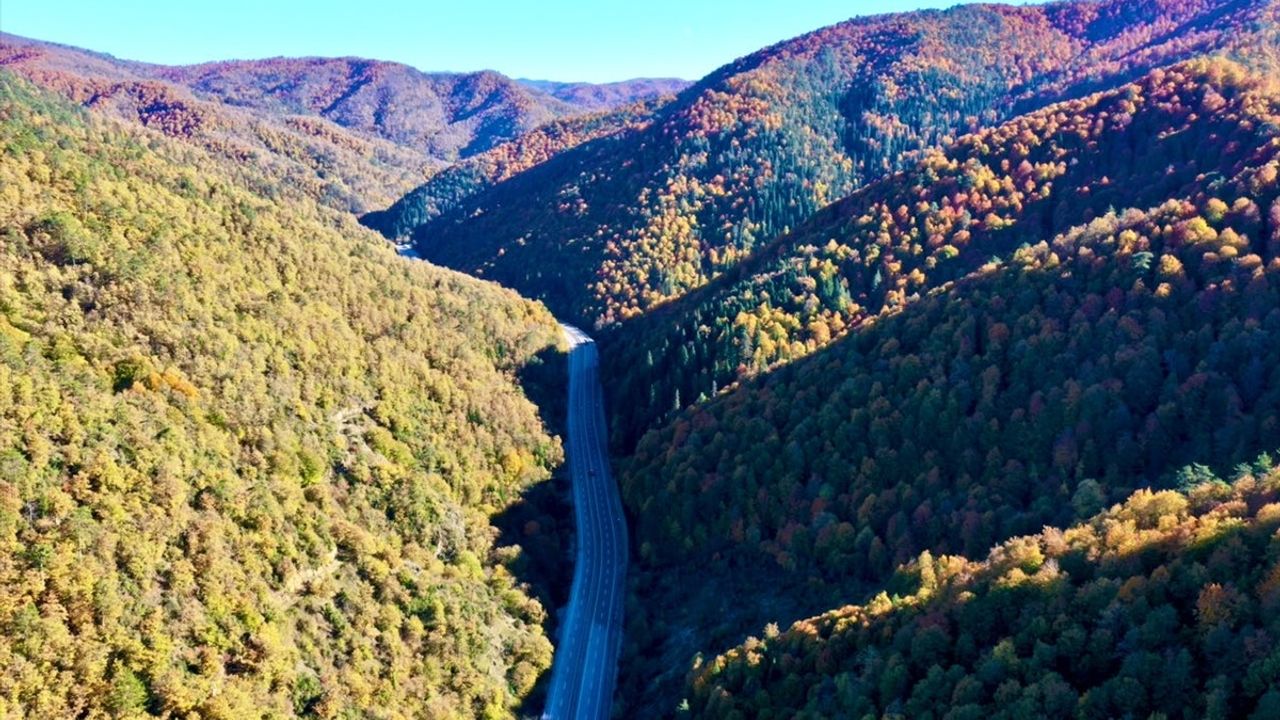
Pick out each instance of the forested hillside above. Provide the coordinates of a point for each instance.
(1044, 384)
(337, 167)
(248, 456)
(1173, 134)
(757, 147)
(449, 188)
(1163, 606)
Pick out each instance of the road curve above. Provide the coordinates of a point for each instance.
(585, 667)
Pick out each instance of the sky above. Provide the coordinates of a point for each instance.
(567, 40)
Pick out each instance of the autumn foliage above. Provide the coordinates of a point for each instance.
(248, 456)
(1068, 350)
(1164, 605)
(757, 147)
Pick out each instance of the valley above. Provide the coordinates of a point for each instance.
(924, 365)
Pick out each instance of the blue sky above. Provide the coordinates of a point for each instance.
(593, 40)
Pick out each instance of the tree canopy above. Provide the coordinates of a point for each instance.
(248, 456)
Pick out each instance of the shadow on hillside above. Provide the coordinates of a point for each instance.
(677, 354)
(705, 597)
(674, 614)
(545, 380)
(540, 522)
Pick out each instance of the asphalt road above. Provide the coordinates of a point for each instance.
(585, 667)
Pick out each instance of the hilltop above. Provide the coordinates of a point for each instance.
(356, 132)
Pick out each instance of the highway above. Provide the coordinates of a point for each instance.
(585, 667)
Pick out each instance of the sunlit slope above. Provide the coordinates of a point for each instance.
(614, 228)
(1178, 133)
(247, 454)
(1129, 345)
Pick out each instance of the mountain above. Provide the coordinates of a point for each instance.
(604, 96)
(250, 458)
(442, 115)
(755, 148)
(450, 188)
(1162, 606)
(337, 167)
(903, 237)
(359, 133)
(1033, 383)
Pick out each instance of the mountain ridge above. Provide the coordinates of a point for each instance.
(362, 132)
(250, 459)
(453, 186)
(767, 140)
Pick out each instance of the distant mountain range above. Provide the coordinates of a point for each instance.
(360, 132)
(602, 96)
